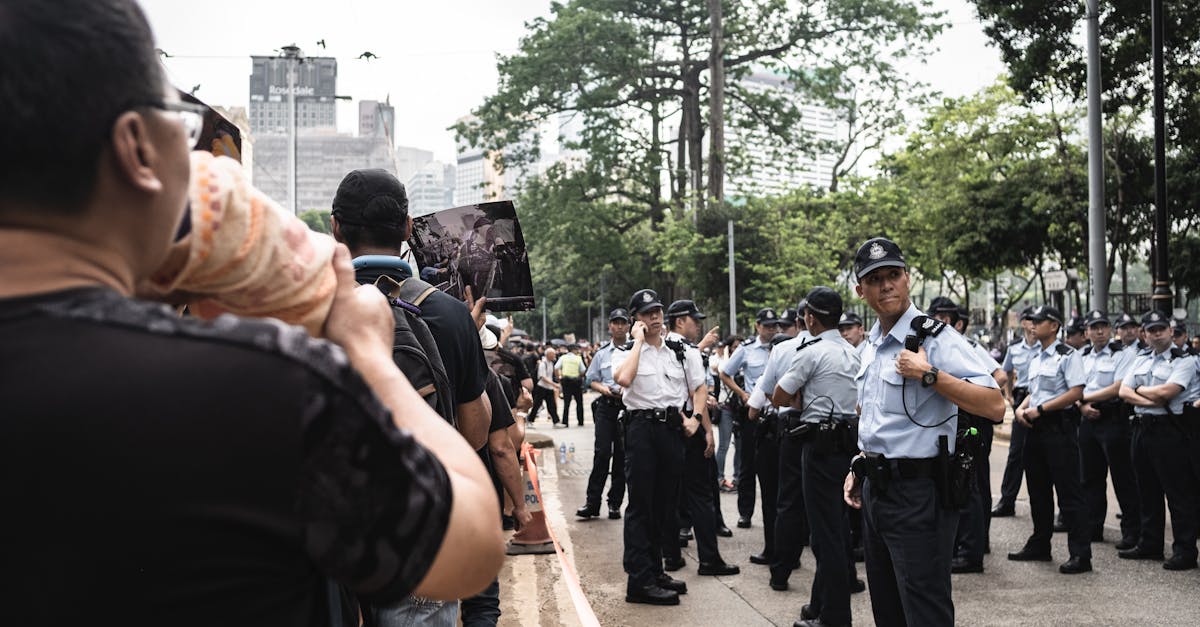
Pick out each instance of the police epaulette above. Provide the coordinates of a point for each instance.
(971, 341)
(1087, 350)
(1063, 349)
(804, 345)
(626, 346)
(604, 345)
(1016, 341)
(1116, 346)
(927, 327)
(1177, 352)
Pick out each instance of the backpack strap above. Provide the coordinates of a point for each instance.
(415, 290)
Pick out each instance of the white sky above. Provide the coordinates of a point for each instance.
(437, 60)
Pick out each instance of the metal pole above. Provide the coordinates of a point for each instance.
(543, 321)
(292, 54)
(1161, 299)
(732, 285)
(1097, 267)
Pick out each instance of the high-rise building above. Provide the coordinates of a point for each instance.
(410, 160)
(767, 174)
(315, 87)
(376, 118)
(322, 160)
(428, 189)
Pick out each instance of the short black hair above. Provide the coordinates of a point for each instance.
(829, 320)
(68, 68)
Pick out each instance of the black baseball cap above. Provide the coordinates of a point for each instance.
(766, 315)
(1155, 319)
(824, 301)
(681, 308)
(1096, 317)
(849, 319)
(371, 198)
(1046, 312)
(1124, 320)
(644, 300)
(877, 252)
(618, 314)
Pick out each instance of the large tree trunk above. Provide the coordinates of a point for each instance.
(655, 182)
(716, 105)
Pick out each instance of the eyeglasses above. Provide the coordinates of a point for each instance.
(192, 116)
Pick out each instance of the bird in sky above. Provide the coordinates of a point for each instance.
(321, 43)
(195, 89)
(368, 55)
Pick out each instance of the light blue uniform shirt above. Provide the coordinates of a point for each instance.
(1159, 368)
(1100, 367)
(884, 426)
(601, 367)
(824, 370)
(780, 360)
(751, 358)
(1017, 360)
(1052, 373)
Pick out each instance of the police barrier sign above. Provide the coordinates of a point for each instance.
(1056, 280)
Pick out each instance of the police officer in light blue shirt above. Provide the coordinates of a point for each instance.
(606, 410)
(909, 401)
(1156, 384)
(1056, 380)
(1104, 434)
(1016, 366)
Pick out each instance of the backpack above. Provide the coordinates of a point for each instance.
(413, 347)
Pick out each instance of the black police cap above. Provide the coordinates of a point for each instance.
(1125, 320)
(824, 301)
(850, 319)
(1046, 312)
(790, 316)
(681, 308)
(878, 252)
(766, 315)
(1095, 317)
(618, 314)
(1154, 319)
(643, 301)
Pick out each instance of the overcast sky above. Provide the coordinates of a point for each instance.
(437, 60)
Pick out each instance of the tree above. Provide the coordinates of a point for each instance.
(317, 220)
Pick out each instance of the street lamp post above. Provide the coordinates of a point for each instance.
(1097, 266)
(1161, 299)
(292, 54)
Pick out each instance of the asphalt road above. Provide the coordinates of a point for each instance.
(533, 592)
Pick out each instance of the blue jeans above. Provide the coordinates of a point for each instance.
(413, 611)
(483, 609)
(724, 432)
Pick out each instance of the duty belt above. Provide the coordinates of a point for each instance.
(882, 471)
(1059, 420)
(610, 401)
(669, 416)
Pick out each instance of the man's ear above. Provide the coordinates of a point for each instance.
(335, 229)
(134, 155)
(408, 226)
(858, 289)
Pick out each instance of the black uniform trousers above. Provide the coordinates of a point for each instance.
(791, 521)
(1104, 447)
(766, 466)
(908, 541)
(1161, 459)
(1010, 484)
(747, 448)
(824, 475)
(975, 520)
(610, 447)
(653, 465)
(540, 395)
(696, 497)
(572, 389)
(1052, 465)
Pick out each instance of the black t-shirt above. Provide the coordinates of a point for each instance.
(457, 339)
(166, 471)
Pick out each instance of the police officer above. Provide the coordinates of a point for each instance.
(606, 410)
(819, 438)
(1016, 366)
(749, 359)
(658, 386)
(791, 322)
(906, 432)
(1051, 449)
(1104, 435)
(1156, 384)
(851, 327)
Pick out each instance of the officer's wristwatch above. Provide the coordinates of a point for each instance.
(930, 377)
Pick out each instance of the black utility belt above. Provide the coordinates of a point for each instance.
(610, 401)
(1058, 418)
(1021, 389)
(879, 468)
(971, 420)
(669, 416)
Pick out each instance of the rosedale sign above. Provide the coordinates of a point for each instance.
(276, 90)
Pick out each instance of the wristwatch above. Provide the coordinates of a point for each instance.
(930, 377)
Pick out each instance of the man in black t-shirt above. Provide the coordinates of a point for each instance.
(165, 471)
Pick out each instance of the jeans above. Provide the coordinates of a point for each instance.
(411, 612)
(724, 432)
(483, 609)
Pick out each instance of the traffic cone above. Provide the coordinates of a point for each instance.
(534, 538)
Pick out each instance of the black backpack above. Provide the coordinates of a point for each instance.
(413, 348)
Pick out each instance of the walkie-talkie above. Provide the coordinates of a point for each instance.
(912, 343)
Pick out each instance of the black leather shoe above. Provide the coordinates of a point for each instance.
(762, 559)
(667, 582)
(812, 622)
(671, 565)
(779, 585)
(1140, 553)
(724, 532)
(961, 565)
(588, 511)
(651, 595)
(807, 612)
(1003, 511)
(858, 585)
(614, 514)
(1125, 544)
(718, 569)
(1029, 554)
(1076, 565)
(1179, 562)
(743, 522)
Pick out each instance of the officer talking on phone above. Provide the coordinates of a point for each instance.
(915, 375)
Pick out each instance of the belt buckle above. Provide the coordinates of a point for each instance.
(660, 415)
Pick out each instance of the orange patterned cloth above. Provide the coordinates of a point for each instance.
(245, 254)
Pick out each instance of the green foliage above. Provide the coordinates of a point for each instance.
(317, 220)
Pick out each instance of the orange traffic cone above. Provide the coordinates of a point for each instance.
(534, 538)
